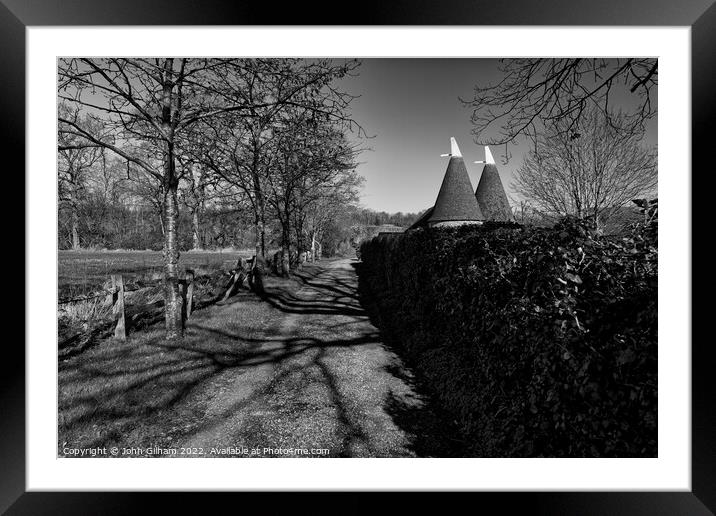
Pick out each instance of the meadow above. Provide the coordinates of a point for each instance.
(82, 272)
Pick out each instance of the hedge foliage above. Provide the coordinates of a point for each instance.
(540, 342)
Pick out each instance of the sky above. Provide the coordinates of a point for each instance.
(411, 106)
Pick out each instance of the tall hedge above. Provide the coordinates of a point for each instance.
(540, 342)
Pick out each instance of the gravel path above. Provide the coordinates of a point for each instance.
(321, 386)
(299, 372)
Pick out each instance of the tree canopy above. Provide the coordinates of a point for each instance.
(535, 94)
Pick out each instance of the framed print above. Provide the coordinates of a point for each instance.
(421, 247)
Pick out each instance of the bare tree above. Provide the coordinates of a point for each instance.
(524, 213)
(149, 109)
(320, 206)
(75, 159)
(330, 187)
(146, 189)
(144, 102)
(589, 175)
(243, 146)
(313, 159)
(538, 92)
(198, 189)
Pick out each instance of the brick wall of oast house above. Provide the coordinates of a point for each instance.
(454, 223)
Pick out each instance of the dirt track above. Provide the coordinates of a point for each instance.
(308, 373)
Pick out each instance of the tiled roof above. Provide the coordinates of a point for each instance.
(491, 195)
(456, 201)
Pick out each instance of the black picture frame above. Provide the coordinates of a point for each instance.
(700, 15)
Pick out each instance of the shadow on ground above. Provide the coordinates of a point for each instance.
(434, 432)
(152, 392)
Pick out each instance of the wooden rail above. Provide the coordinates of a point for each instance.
(245, 270)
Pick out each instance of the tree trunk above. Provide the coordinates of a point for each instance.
(161, 218)
(75, 226)
(196, 230)
(299, 246)
(313, 246)
(259, 208)
(286, 251)
(172, 295)
(199, 194)
(260, 228)
(260, 249)
(263, 236)
(173, 302)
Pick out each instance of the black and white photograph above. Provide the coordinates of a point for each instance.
(422, 236)
(357, 257)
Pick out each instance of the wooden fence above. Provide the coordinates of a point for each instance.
(245, 270)
(116, 298)
(186, 286)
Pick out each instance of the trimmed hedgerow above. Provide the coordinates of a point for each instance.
(540, 342)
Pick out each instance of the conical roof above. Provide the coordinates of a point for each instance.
(455, 201)
(490, 193)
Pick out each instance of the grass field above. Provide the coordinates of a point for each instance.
(82, 272)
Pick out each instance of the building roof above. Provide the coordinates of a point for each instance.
(490, 193)
(455, 201)
(422, 221)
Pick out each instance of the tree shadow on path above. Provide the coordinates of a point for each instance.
(148, 391)
(434, 432)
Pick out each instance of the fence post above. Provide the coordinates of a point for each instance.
(189, 278)
(120, 331)
(237, 280)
